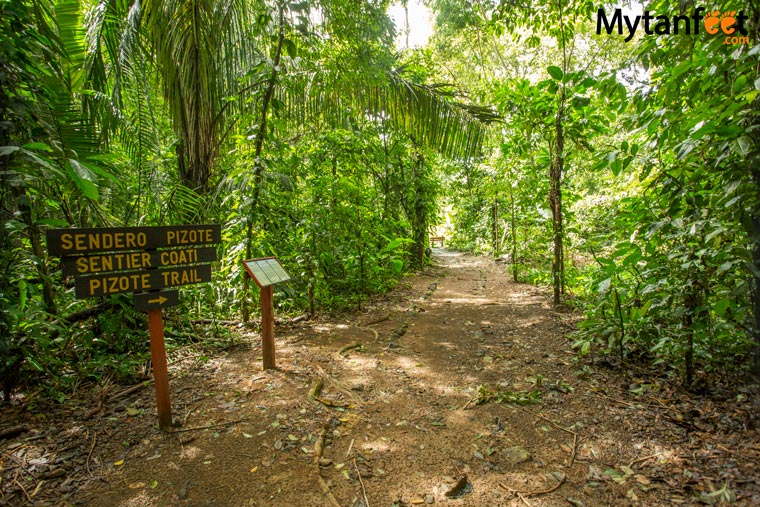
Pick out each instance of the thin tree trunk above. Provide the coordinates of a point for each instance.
(495, 226)
(555, 176)
(513, 221)
(755, 274)
(555, 203)
(258, 170)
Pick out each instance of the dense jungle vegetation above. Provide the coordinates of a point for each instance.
(624, 175)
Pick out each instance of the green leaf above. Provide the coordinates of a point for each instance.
(83, 179)
(38, 146)
(555, 72)
(728, 130)
(53, 222)
(721, 306)
(290, 47)
(7, 150)
(739, 83)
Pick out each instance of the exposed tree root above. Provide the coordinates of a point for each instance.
(340, 387)
(208, 426)
(319, 449)
(13, 431)
(346, 348)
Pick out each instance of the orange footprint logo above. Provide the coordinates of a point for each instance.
(727, 21)
(724, 20)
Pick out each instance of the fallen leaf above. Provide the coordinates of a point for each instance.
(136, 485)
(246, 435)
(643, 480)
(565, 448)
(253, 470)
(119, 463)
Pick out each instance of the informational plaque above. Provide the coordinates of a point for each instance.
(266, 271)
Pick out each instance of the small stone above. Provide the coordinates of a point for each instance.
(66, 486)
(429, 499)
(516, 455)
(325, 462)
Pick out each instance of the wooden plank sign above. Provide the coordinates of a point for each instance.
(66, 242)
(266, 272)
(156, 300)
(123, 261)
(144, 260)
(105, 284)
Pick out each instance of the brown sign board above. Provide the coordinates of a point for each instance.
(156, 300)
(266, 271)
(68, 242)
(140, 281)
(124, 261)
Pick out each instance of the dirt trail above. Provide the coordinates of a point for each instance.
(397, 421)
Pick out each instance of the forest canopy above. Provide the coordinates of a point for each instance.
(618, 166)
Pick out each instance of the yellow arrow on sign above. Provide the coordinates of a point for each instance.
(160, 300)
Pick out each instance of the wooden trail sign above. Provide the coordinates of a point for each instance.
(143, 260)
(105, 284)
(266, 272)
(156, 300)
(67, 242)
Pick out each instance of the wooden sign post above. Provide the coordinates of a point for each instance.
(266, 272)
(142, 260)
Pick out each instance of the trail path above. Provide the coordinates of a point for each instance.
(397, 419)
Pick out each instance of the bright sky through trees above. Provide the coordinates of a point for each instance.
(420, 24)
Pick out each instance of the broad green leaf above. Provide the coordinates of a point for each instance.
(721, 306)
(7, 150)
(739, 83)
(729, 130)
(38, 146)
(555, 72)
(82, 178)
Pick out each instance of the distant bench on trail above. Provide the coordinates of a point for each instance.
(436, 239)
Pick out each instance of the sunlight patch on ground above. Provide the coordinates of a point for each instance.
(377, 445)
(465, 301)
(191, 452)
(142, 499)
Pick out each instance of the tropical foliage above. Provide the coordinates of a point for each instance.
(624, 175)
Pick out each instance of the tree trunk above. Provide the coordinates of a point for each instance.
(258, 169)
(513, 226)
(555, 201)
(495, 227)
